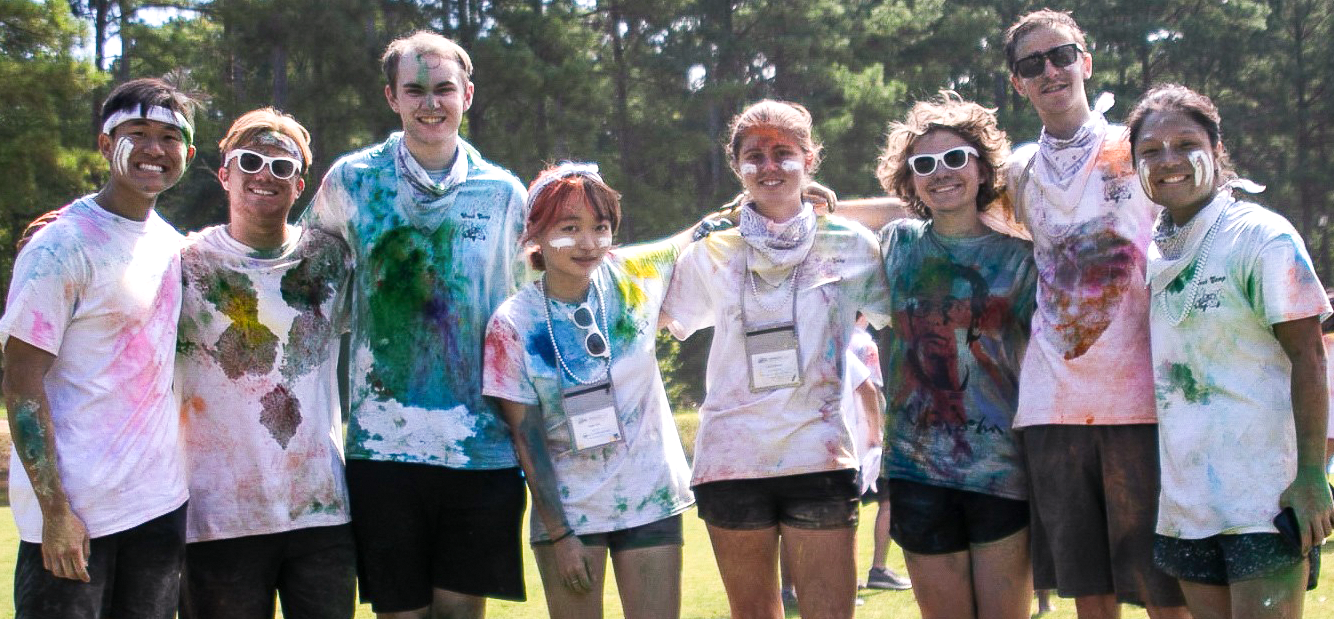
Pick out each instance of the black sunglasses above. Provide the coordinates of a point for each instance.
(1060, 56)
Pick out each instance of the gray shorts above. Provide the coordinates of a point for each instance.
(1094, 501)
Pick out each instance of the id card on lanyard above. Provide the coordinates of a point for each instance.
(590, 411)
(773, 354)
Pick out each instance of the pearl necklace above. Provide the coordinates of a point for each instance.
(1193, 288)
(551, 332)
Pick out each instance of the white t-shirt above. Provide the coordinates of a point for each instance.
(785, 431)
(102, 293)
(1087, 361)
(1227, 439)
(257, 374)
(862, 364)
(1329, 382)
(434, 261)
(633, 482)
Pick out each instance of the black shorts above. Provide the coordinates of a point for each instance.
(135, 574)
(934, 520)
(1225, 559)
(825, 500)
(665, 532)
(313, 571)
(421, 527)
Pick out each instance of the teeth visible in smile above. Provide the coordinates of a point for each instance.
(263, 192)
(431, 120)
(944, 188)
(771, 183)
(151, 168)
(1176, 178)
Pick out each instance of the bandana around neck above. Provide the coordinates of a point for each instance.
(1062, 160)
(779, 247)
(418, 177)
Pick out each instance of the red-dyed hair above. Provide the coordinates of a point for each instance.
(557, 198)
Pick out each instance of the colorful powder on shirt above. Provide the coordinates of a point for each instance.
(247, 346)
(281, 414)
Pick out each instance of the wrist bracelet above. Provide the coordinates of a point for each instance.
(568, 532)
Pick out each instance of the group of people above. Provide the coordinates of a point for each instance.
(1103, 370)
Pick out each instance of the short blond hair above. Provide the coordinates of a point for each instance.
(423, 42)
(252, 124)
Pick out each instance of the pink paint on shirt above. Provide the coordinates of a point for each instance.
(43, 332)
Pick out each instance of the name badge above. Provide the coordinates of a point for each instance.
(591, 411)
(773, 357)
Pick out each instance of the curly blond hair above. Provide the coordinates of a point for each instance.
(949, 112)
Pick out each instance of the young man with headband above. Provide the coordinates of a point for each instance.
(97, 479)
(263, 308)
(437, 497)
(1086, 399)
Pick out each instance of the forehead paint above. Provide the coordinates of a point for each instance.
(1143, 169)
(120, 156)
(278, 140)
(1204, 168)
(561, 242)
(749, 169)
(791, 165)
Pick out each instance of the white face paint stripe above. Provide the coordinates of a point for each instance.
(749, 169)
(791, 165)
(1204, 168)
(1143, 170)
(120, 157)
(604, 241)
(561, 242)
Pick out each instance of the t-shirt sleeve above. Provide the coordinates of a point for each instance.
(43, 294)
(521, 272)
(688, 303)
(1283, 283)
(875, 299)
(331, 209)
(504, 374)
(652, 260)
(1025, 293)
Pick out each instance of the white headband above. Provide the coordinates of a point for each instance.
(565, 169)
(153, 112)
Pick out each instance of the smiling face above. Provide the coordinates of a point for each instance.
(1058, 91)
(946, 192)
(1177, 163)
(573, 247)
(147, 157)
(260, 197)
(430, 97)
(773, 168)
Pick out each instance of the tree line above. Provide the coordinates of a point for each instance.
(645, 87)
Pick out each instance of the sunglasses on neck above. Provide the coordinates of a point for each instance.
(953, 159)
(252, 162)
(594, 342)
(1060, 56)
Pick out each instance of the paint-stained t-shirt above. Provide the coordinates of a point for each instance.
(1227, 442)
(1328, 341)
(962, 308)
(102, 293)
(256, 368)
(1088, 358)
(790, 430)
(431, 268)
(641, 479)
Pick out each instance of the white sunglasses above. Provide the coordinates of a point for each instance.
(954, 158)
(252, 162)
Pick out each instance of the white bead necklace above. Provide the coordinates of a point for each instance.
(551, 332)
(1193, 288)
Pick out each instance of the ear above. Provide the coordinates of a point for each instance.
(1086, 63)
(223, 174)
(467, 95)
(389, 96)
(190, 154)
(300, 186)
(104, 145)
(1018, 84)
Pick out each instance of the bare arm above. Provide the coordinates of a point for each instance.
(1308, 495)
(871, 403)
(530, 445)
(65, 542)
